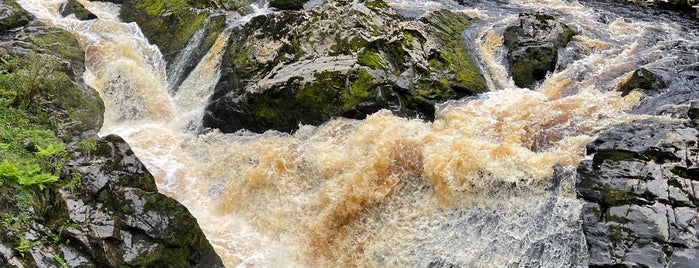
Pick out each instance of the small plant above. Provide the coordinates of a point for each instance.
(87, 146)
(24, 245)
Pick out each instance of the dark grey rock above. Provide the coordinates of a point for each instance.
(642, 79)
(533, 47)
(287, 4)
(642, 204)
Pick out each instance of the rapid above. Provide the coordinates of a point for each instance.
(489, 183)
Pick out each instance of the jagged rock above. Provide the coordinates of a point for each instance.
(642, 79)
(75, 7)
(287, 4)
(120, 208)
(639, 185)
(88, 216)
(12, 16)
(533, 47)
(340, 59)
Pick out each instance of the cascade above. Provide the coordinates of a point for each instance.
(473, 188)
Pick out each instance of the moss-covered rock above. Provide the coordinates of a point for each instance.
(76, 8)
(69, 198)
(533, 47)
(168, 24)
(340, 59)
(12, 16)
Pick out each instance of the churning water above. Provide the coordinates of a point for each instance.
(474, 188)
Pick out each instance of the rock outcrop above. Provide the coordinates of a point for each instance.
(533, 47)
(641, 192)
(341, 58)
(67, 197)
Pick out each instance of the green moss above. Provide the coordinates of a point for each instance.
(168, 24)
(362, 87)
(371, 60)
(454, 58)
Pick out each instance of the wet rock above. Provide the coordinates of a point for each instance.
(170, 25)
(533, 47)
(340, 59)
(287, 4)
(124, 221)
(693, 112)
(642, 79)
(75, 7)
(12, 16)
(641, 204)
(85, 219)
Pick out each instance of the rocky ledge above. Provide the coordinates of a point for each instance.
(69, 198)
(642, 192)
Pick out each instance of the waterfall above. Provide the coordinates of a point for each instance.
(471, 189)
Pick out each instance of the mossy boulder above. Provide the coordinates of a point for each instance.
(340, 59)
(12, 16)
(533, 45)
(76, 8)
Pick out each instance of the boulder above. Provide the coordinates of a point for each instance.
(640, 193)
(75, 7)
(12, 16)
(533, 45)
(340, 59)
(642, 79)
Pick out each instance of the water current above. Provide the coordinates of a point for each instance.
(474, 188)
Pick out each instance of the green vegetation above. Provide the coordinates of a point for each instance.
(371, 60)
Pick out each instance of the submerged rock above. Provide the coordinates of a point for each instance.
(642, 202)
(75, 7)
(340, 59)
(642, 79)
(533, 47)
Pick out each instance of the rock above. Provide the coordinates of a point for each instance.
(340, 59)
(287, 4)
(171, 24)
(120, 208)
(103, 210)
(12, 16)
(693, 112)
(75, 7)
(533, 47)
(642, 79)
(642, 209)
